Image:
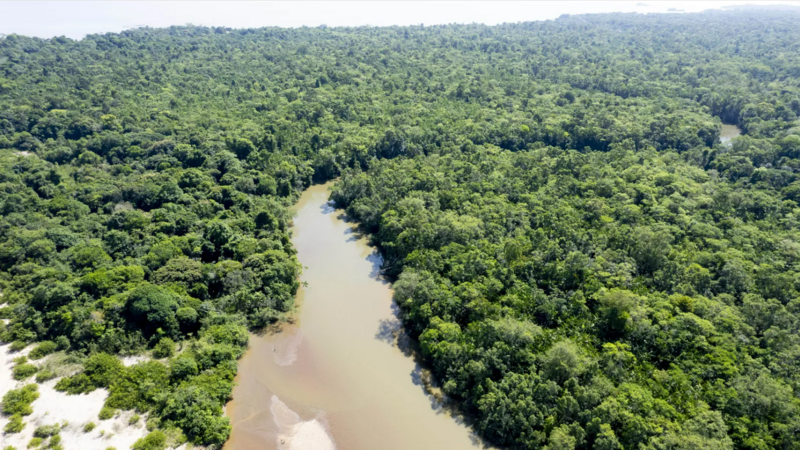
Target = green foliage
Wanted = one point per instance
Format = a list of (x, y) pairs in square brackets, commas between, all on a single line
[(45, 375), (43, 349), (187, 318), (76, 384), (196, 412), (183, 367), (17, 346), (138, 386), (100, 371), (153, 441), (584, 263), (50, 433), (23, 371), (154, 308), (164, 349), (18, 401), (89, 427), (55, 443), (564, 361), (46, 431), (106, 413), (615, 312), (14, 425)]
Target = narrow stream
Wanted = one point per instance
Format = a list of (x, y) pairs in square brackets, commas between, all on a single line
[(337, 378)]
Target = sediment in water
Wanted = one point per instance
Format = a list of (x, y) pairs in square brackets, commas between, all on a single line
[(338, 368)]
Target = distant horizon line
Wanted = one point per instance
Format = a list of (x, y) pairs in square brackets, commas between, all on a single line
[(726, 8)]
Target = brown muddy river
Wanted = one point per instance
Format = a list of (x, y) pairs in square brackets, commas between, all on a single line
[(729, 132), (336, 379)]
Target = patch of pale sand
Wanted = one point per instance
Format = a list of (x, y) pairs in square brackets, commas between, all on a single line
[(296, 434), (128, 361), (310, 435), (7, 381), (53, 407)]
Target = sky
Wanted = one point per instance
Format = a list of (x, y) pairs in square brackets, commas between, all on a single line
[(75, 19)]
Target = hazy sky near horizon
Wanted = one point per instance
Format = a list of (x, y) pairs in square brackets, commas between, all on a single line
[(76, 19)]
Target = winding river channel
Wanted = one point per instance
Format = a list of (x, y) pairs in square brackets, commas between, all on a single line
[(337, 378)]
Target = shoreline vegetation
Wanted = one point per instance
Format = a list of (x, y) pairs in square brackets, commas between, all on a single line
[(584, 263)]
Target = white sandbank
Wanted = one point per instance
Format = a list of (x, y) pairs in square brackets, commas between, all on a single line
[(296, 434), (53, 407)]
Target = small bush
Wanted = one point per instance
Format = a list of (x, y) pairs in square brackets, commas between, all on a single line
[(76, 384), (175, 437), (62, 343), (20, 359), (23, 371), (35, 442), (106, 413), (89, 427), (45, 375), (183, 367), (152, 423), (153, 441), (15, 424), (18, 401), (17, 346), (55, 443), (134, 419), (103, 369), (45, 431), (164, 349), (43, 349)]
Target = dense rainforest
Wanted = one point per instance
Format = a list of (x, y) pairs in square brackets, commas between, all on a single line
[(584, 263)]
